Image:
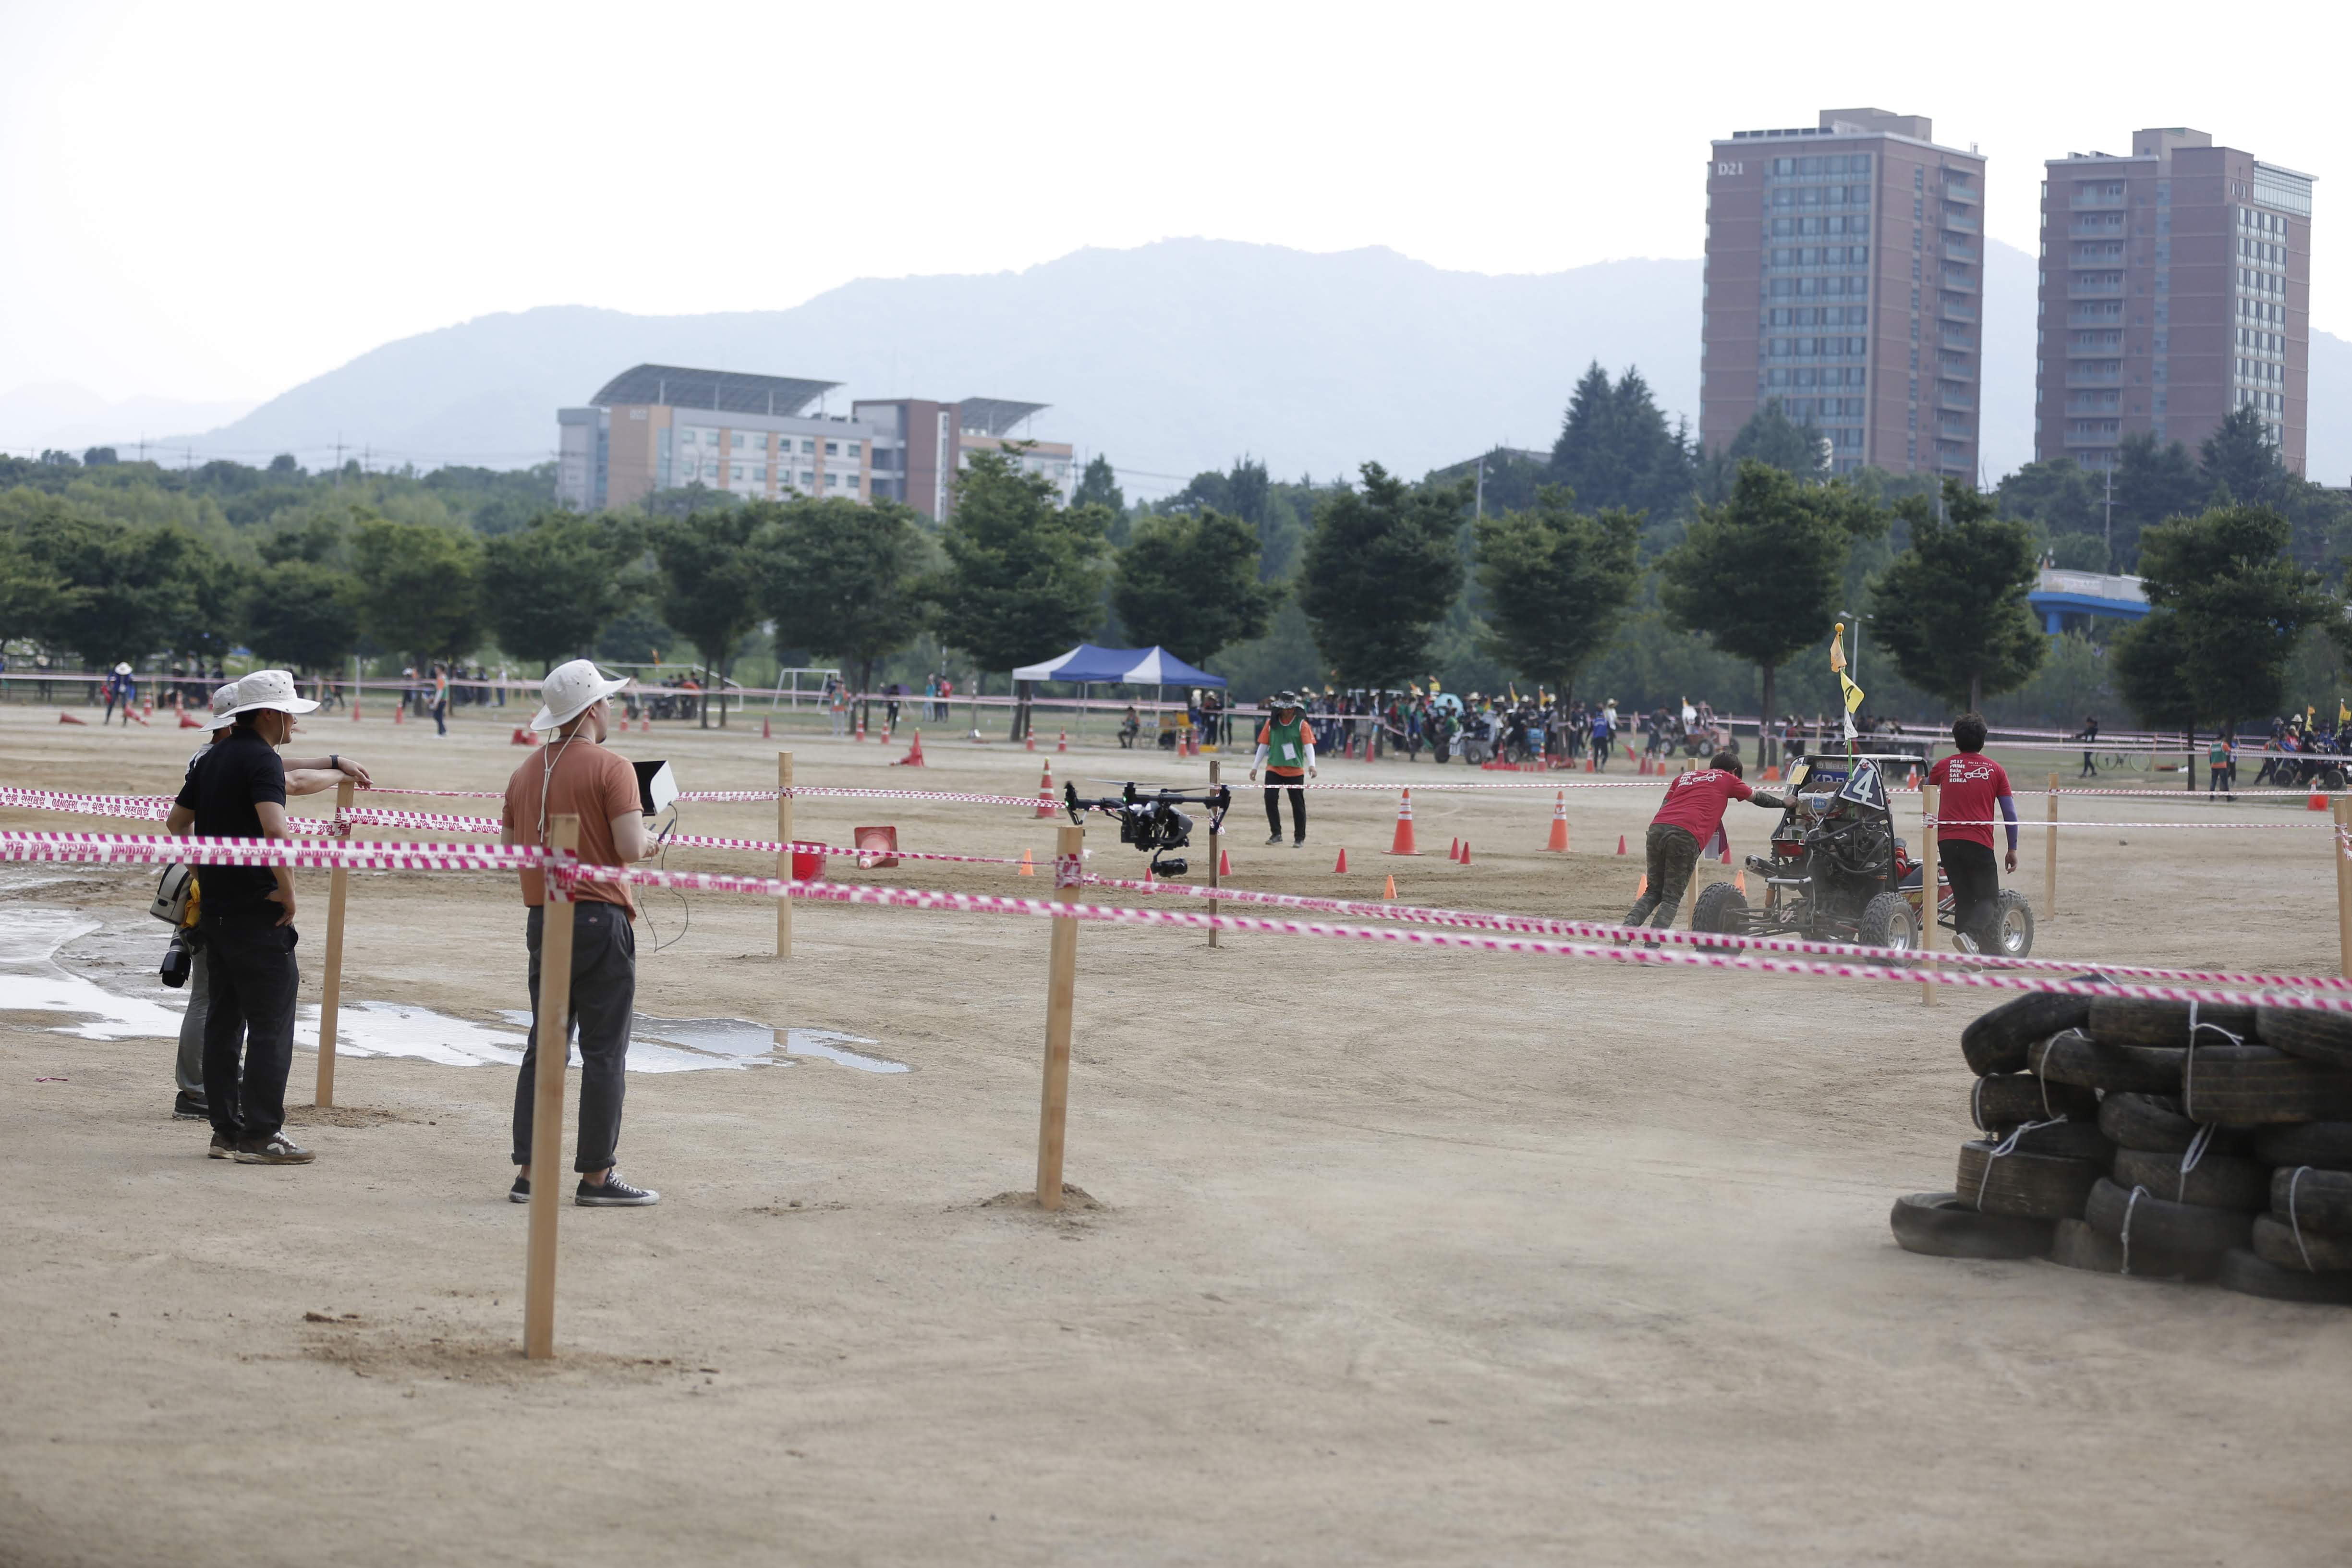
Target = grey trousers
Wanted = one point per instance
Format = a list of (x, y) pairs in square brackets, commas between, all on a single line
[(189, 1069), (604, 1006)]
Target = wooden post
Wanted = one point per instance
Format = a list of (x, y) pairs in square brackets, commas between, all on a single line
[(2050, 855), (1215, 771), (331, 991), (1690, 894), (1061, 990), (784, 855), (554, 1025), (1928, 897), (2343, 819)]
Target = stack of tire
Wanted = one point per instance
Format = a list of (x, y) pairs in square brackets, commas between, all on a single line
[(2163, 1140)]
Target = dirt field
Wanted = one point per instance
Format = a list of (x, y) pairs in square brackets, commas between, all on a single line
[(1392, 1256)]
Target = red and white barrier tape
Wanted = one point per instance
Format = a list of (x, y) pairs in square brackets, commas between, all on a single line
[(133, 850), (134, 808)]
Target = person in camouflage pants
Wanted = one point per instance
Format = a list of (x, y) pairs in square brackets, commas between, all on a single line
[(1690, 817)]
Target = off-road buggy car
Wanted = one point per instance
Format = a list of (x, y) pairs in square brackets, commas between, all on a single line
[(1838, 873)]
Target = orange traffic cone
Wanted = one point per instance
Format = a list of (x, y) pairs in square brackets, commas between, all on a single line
[(400, 710), (1559, 822), (1028, 867), (765, 733), (521, 737), (1031, 742), (188, 721), (1402, 843), (1466, 852), (861, 724), (1045, 793), (355, 707), (914, 757), (1621, 844), (2318, 801), (1224, 864), (1388, 894), (1341, 868), (644, 724), (1739, 880), (69, 719), (1150, 883), (1725, 856), (1064, 743)]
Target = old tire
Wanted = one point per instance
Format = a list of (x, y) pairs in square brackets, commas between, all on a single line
[(2038, 1186), (2155, 1122), (1940, 1226), (2248, 1085), (2215, 1182), (2316, 1199), (2326, 1145), (2016, 923), (1997, 1041), (1721, 907), (2243, 1272), (2075, 1245), (2010, 1100), (2315, 1036), (2275, 1243), (2133, 1021), (2189, 1232), (2076, 1058), (1887, 921)]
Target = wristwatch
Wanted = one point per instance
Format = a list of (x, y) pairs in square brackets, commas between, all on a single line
[(334, 762)]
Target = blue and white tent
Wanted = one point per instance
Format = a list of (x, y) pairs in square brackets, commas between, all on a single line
[(1119, 667)]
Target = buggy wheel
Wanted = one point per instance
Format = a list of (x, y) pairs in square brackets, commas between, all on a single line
[(1721, 907), (1887, 921), (2016, 924)]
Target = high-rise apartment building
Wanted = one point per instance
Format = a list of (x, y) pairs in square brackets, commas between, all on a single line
[(1846, 278), (2175, 287), (919, 446), (663, 426)]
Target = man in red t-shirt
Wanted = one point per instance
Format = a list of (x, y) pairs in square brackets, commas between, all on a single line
[(1690, 818), (1972, 783)]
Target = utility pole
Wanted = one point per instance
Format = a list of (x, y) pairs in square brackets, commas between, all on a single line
[(1481, 506), (339, 459), (2111, 516)]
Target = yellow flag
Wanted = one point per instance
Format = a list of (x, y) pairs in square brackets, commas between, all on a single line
[(2343, 714), (1853, 693), (1837, 648)]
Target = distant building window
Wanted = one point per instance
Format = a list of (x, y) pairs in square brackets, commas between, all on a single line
[(833, 448), (855, 448)]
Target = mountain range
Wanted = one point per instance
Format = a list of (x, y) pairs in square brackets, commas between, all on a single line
[(1169, 358)]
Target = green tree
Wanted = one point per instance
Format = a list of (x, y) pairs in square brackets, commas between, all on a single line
[(2228, 608), (302, 615), (1614, 449), (1951, 608), (420, 587), (714, 572), (1557, 584), (1761, 573), (1189, 584), (1025, 575), (1382, 569), (112, 590), (2153, 481), (2239, 457), (1099, 485), (32, 584), (848, 580), (552, 586), (2060, 495)]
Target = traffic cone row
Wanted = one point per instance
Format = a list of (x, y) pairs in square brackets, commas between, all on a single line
[(1559, 840)]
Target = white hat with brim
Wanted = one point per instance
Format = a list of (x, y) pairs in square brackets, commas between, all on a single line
[(569, 690), (122, 669), (272, 689), (224, 705)]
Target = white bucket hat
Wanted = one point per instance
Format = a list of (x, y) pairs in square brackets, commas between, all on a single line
[(122, 669), (568, 692), (267, 688), (224, 704)]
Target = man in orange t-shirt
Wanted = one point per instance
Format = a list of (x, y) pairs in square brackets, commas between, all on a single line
[(575, 775)]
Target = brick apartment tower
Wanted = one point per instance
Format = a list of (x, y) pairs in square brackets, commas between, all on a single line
[(2175, 287), (1845, 276)]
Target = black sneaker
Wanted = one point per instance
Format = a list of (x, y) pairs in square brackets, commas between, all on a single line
[(191, 1108), (275, 1150), (520, 1192), (1299, 843), (1274, 840), (612, 1193), (224, 1147)]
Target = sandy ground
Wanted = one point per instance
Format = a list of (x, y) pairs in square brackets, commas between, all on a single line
[(1392, 1256)]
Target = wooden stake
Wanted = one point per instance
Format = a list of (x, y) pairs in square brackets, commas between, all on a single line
[(2343, 817), (330, 993), (547, 1105), (1928, 897), (1213, 772), (1061, 992), (784, 855), (2050, 855)]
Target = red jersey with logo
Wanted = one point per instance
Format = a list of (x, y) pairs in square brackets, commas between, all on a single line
[(1973, 785), (1695, 801)]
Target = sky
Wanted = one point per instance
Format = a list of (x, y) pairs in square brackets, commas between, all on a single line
[(218, 201)]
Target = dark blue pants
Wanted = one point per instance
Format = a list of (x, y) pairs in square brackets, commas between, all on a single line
[(249, 964)]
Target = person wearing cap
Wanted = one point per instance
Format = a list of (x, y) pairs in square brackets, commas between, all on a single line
[(304, 775), (237, 789), (121, 687), (574, 775), (1285, 750)]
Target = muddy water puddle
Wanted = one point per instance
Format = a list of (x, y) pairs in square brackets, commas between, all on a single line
[(38, 987)]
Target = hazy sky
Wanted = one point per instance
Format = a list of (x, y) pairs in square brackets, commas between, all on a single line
[(218, 201)]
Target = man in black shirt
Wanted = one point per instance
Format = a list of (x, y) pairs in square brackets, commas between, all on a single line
[(237, 790)]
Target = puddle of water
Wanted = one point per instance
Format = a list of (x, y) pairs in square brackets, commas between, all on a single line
[(33, 981)]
